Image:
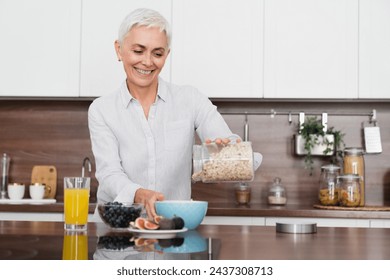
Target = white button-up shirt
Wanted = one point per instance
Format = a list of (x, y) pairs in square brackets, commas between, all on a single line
[(132, 151)]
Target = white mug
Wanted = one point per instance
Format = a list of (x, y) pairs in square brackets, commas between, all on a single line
[(37, 191), (16, 191)]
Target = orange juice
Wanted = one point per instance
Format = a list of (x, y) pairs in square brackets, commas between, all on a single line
[(75, 247), (76, 206)]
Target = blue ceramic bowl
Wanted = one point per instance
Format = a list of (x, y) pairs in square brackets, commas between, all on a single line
[(191, 211)]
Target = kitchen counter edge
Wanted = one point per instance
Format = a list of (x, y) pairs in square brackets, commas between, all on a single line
[(227, 209)]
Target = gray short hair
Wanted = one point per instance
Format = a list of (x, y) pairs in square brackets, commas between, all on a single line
[(144, 17)]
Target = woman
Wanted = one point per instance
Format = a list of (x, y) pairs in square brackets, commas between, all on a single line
[(142, 134)]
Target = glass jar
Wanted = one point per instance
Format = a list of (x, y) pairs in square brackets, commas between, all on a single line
[(277, 193), (243, 194), (214, 163), (328, 193), (354, 164), (349, 190)]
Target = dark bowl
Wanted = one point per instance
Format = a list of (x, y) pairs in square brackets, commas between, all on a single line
[(119, 215)]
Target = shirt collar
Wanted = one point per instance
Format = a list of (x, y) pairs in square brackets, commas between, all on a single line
[(162, 92)]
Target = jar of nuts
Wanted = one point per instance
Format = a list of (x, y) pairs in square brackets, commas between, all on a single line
[(223, 163), (328, 193)]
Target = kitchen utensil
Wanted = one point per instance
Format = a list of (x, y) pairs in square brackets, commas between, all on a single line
[(4, 175), (47, 175), (296, 228), (372, 139)]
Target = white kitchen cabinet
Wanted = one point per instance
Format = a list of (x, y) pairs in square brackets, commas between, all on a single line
[(217, 46), (310, 49), (40, 47), (271, 221), (234, 220), (101, 73), (374, 46)]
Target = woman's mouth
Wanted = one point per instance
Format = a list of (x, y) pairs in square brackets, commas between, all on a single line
[(143, 72)]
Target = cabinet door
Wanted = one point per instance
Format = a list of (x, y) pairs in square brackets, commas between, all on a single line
[(311, 49), (217, 46), (101, 73), (374, 49), (40, 47)]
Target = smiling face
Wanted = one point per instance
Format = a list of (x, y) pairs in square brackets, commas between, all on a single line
[(143, 53)]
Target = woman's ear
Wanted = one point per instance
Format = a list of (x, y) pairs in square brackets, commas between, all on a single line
[(118, 50)]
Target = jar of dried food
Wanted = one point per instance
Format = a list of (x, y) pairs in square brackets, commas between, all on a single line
[(277, 193), (349, 190), (354, 164), (328, 193), (243, 194), (223, 163)]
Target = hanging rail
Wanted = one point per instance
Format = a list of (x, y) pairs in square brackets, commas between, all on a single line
[(272, 113)]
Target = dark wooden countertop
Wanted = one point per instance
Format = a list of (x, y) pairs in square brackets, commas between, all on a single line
[(45, 240), (231, 209)]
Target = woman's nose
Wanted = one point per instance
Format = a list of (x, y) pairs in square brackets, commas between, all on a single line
[(147, 61)]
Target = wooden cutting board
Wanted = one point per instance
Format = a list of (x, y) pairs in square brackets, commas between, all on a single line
[(45, 174)]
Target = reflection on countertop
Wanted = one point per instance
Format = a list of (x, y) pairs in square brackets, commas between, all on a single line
[(48, 240)]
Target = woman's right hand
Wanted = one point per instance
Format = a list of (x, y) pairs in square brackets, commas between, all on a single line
[(148, 198)]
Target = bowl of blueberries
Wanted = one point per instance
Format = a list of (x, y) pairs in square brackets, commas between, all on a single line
[(118, 215)]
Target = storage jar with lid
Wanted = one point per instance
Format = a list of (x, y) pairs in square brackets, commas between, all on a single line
[(223, 163), (277, 193), (354, 164), (328, 193), (243, 194), (349, 190)]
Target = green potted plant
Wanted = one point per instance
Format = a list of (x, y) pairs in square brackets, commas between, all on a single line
[(314, 139)]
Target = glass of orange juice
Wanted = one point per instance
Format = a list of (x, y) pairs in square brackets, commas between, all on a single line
[(76, 202), (75, 246)]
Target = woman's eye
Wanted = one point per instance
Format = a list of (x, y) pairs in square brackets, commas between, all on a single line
[(158, 54), (137, 51)]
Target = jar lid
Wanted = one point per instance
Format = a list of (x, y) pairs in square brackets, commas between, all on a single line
[(330, 167), (349, 177), (277, 186), (354, 151)]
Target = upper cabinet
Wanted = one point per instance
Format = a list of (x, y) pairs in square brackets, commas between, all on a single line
[(217, 46), (374, 49), (300, 49), (311, 49), (40, 47), (101, 73)]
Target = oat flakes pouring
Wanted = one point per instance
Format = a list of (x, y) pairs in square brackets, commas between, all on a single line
[(234, 162)]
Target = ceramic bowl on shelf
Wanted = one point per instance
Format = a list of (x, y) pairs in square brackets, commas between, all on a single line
[(191, 211)]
